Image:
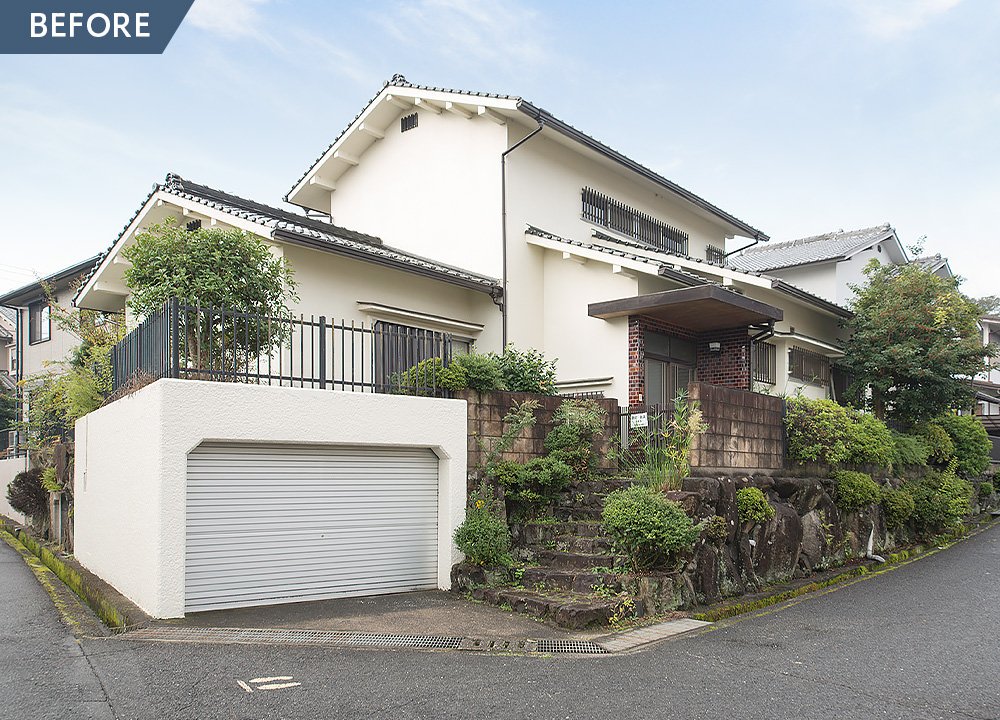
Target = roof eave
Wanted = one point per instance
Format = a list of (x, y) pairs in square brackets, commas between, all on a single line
[(800, 294), (34, 291)]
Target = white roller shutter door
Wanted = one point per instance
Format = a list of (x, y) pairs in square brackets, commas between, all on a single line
[(270, 524)]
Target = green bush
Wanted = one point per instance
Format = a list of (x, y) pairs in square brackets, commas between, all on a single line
[(715, 530), (426, 376), (571, 439), (985, 490), (752, 506), (480, 372), (940, 448), (646, 526), (483, 536), (908, 450), (898, 506), (868, 440), (26, 493), (855, 490), (940, 500), (817, 430), (527, 371), (534, 485), (972, 444)]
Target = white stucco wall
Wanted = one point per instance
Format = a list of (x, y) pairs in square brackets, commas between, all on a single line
[(8, 469), (819, 279), (433, 190), (131, 467)]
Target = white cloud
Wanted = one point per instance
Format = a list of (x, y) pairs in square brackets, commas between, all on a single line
[(230, 19), (889, 19), (490, 31)]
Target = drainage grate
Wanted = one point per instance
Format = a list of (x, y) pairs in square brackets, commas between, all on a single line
[(166, 633), (570, 646)]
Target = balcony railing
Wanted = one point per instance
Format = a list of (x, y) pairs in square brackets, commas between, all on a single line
[(205, 342)]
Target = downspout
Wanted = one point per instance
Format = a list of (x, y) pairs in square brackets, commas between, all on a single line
[(745, 247), (503, 215)]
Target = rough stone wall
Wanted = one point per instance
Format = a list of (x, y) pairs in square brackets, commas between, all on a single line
[(487, 410), (745, 430)]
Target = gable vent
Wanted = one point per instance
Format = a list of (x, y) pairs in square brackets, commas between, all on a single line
[(193, 225), (408, 122)]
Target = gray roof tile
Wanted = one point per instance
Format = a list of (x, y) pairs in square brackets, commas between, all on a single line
[(818, 248)]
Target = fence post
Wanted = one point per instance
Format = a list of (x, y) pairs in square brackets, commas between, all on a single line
[(175, 350), (322, 352)]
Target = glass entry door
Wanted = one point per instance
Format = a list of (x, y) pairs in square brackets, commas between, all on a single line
[(665, 380)]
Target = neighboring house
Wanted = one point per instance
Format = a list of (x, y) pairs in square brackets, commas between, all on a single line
[(935, 264), (827, 264), (38, 341), (987, 384)]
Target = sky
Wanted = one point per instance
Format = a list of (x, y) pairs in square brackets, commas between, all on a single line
[(799, 117)]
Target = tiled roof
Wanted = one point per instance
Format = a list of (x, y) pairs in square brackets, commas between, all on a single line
[(34, 291), (668, 270), (931, 262), (8, 313), (310, 231), (542, 115), (818, 248)]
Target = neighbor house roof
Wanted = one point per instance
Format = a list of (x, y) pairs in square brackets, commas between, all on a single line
[(299, 229), (496, 106), (35, 291), (838, 245), (934, 263)]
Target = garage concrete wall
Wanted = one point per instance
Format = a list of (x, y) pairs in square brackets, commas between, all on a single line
[(131, 467)]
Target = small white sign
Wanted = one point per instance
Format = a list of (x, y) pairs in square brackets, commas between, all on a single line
[(638, 420)]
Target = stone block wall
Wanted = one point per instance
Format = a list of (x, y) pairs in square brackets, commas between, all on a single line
[(745, 429), (486, 412)]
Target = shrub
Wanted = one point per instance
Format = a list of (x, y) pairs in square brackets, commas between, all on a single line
[(817, 430), (908, 450), (650, 529), (534, 485), (571, 439), (27, 494), (972, 444), (483, 536), (940, 448), (898, 506), (425, 376), (752, 506), (985, 490), (855, 490), (527, 371), (940, 500), (715, 529), (480, 372), (868, 440)]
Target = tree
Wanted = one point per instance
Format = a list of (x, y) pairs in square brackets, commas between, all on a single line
[(211, 266), (215, 267), (915, 343)]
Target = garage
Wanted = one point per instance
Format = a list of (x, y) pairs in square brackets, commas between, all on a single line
[(268, 524)]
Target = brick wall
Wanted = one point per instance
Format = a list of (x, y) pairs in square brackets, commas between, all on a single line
[(729, 368), (745, 429), (487, 410)]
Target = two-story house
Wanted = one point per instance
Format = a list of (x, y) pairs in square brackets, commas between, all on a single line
[(487, 217)]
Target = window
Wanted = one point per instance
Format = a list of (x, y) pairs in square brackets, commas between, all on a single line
[(603, 210), (408, 122), (669, 367), (715, 255), (39, 323), (400, 347), (763, 362), (808, 366)]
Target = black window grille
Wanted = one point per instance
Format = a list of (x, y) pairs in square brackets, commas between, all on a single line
[(408, 122), (715, 255), (606, 211), (808, 366), (763, 362)]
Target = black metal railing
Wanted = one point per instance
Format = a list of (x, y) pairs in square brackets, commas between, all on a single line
[(614, 215), (764, 362), (205, 342)]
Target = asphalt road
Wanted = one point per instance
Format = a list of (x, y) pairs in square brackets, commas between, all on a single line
[(921, 640)]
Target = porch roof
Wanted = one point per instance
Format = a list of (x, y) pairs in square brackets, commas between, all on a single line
[(700, 308)]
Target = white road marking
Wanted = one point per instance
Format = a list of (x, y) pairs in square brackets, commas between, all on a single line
[(271, 679), (278, 686), (244, 686)]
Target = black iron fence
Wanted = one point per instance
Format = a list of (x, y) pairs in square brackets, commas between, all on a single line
[(214, 343)]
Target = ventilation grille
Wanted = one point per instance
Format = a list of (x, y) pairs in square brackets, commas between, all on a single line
[(408, 122)]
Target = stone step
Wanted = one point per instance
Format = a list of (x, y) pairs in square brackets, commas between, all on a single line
[(586, 514), (543, 533), (586, 545), (567, 609), (541, 579), (573, 560)]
